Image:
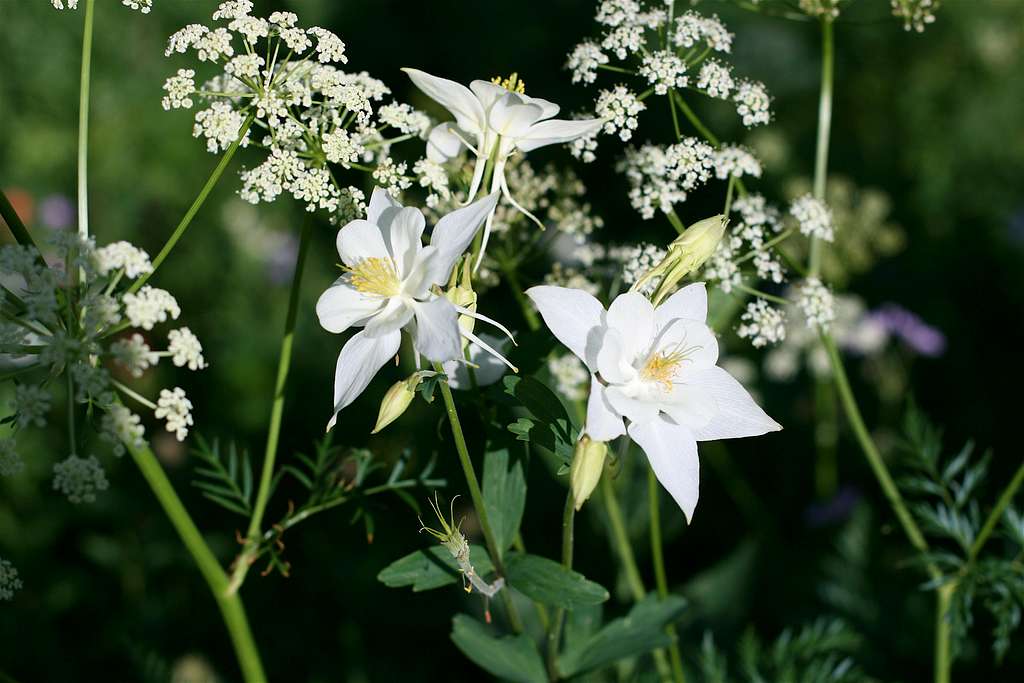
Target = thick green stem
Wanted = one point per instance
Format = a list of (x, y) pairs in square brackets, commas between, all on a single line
[(824, 132), (477, 497), (83, 121), (231, 608), (555, 632), (624, 549), (660, 577), (943, 650), (196, 204), (284, 359)]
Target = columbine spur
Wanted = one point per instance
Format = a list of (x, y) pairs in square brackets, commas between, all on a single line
[(657, 369)]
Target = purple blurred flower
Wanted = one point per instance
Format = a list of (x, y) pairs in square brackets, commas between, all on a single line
[(834, 510), (915, 333), (57, 211)]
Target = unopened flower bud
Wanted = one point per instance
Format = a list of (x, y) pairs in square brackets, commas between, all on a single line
[(686, 253), (398, 398), (587, 464), (460, 292)]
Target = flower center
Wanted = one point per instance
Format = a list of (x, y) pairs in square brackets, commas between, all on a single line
[(513, 83), (661, 367), (376, 275)]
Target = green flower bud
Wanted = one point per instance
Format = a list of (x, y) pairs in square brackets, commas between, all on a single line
[(398, 398), (686, 253), (587, 465), (460, 292)]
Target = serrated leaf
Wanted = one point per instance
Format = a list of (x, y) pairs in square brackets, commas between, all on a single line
[(548, 582), (226, 503), (435, 567), (535, 396), (511, 658), (640, 631), (504, 495)]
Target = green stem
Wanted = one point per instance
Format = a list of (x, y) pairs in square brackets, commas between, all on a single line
[(555, 632), (512, 277), (476, 495), (624, 550), (17, 228), (695, 121), (676, 222), (943, 649), (196, 204), (675, 117), (231, 608), (252, 543), (824, 132), (996, 514), (83, 121), (660, 578)]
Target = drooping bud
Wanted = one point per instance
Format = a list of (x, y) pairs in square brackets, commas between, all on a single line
[(587, 465), (686, 253), (398, 398), (460, 292)]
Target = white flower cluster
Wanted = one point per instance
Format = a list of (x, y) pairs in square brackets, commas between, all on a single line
[(122, 256), (753, 103), (813, 216), (570, 375), (31, 404), (9, 581), (282, 80), (665, 70), (758, 222), (637, 260), (816, 303), (584, 60), (715, 79), (692, 28), (432, 176), (176, 409), (660, 177), (916, 14), (618, 108), (828, 9), (79, 479), (733, 161), (762, 324), (143, 6)]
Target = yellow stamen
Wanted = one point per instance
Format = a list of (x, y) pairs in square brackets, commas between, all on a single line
[(513, 83), (376, 275), (661, 367)]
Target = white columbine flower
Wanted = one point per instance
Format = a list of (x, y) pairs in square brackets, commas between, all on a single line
[(389, 285), (657, 369), (494, 120)]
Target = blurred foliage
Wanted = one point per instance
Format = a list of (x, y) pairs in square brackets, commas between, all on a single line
[(933, 119)]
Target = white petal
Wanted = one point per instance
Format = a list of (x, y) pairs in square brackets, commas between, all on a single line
[(633, 316), (404, 238), (556, 131), (380, 200), (510, 118), (454, 232), (603, 423), (691, 405), (635, 409), (360, 240), (611, 363), (342, 306), (690, 302), (442, 143), (738, 415), (437, 330), (422, 274), (692, 338), (574, 317), (392, 317), (672, 452), (488, 93), (455, 97), (488, 371), (548, 109), (359, 360)]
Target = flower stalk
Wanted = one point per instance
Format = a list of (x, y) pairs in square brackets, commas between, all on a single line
[(83, 121), (555, 632), (660, 577)]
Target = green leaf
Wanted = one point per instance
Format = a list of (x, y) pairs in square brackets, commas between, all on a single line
[(533, 395), (512, 658), (640, 631), (504, 495), (432, 568), (549, 582)]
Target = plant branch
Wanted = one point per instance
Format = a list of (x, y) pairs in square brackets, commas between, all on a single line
[(824, 132), (660, 577), (83, 121), (555, 632)]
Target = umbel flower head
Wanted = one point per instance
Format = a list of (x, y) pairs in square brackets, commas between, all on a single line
[(654, 376), (392, 282), (494, 120)]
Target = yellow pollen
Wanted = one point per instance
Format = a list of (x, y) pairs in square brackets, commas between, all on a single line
[(375, 275), (662, 367), (513, 83)]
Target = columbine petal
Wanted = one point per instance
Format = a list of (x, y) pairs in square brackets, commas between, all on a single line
[(574, 317), (632, 315), (612, 363), (556, 131), (603, 423), (672, 452), (360, 240), (455, 97), (395, 314), (488, 368), (547, 108), (342, 306), (404, 237), (380, 202), (488, 93), (436, 334), (635, 409), (690, 302), (455, 231), (510, 118), (359, 360), (692, 338), (738, 415), (443, 143)]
